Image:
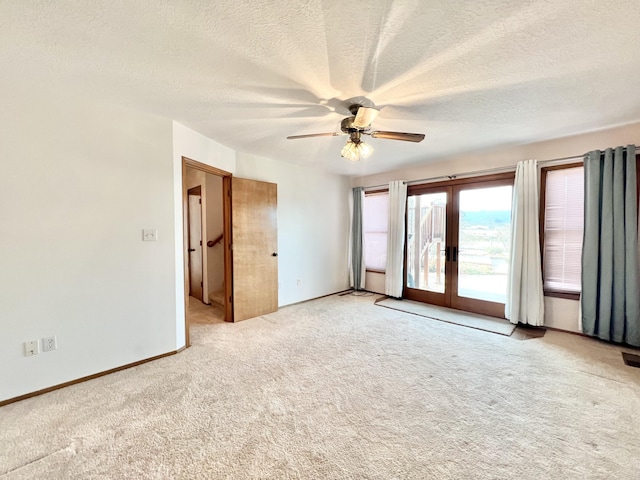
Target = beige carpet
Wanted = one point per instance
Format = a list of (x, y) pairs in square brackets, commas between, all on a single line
[(466, 319), (341, 389)]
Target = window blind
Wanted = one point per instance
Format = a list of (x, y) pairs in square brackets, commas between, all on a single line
[(376, 226), (563, 229)]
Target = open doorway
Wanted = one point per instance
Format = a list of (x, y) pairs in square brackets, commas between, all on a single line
[(249, 278), (207, 235)]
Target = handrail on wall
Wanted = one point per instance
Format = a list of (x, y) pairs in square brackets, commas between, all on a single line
[(212, 243)]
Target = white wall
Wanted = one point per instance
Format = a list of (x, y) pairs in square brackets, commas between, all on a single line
[(559, 313), (79, 182), (561, 147), (193, 145), (313, 227), (195, 178), (313, 218), (374, 282)]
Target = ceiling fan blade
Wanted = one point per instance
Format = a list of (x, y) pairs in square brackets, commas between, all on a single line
[(407, 137), (365, 116), (332, 134)]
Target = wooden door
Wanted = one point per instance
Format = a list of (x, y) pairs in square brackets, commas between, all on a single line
[(195, 243), (255, 248)]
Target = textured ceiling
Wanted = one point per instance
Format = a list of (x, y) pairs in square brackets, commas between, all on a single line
[(471, 75)]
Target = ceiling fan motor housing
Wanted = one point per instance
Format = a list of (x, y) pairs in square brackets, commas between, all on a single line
[(360, 124), (347, 127)]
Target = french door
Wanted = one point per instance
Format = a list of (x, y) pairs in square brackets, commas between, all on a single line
[(457, 243)]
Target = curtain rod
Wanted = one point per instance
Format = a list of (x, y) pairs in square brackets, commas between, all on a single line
[(479, 172)]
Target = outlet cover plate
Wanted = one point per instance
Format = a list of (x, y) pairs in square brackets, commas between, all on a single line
[(149, 234), (49, 344)]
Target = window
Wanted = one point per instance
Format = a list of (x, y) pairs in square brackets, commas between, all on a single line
[(376, 221), (562, 229)]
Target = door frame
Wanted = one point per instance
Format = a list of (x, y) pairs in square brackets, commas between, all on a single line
[(416, 294), (226, 237), (450, 297), (195, 191)]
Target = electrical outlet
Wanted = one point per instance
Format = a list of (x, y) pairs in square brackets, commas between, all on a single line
[(31, 348), (149, 234), (49, 344)]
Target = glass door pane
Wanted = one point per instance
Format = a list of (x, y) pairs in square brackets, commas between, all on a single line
[(426, 237), (484, 230)]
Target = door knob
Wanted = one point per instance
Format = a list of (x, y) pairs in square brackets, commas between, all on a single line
[(274, 254), (192, 249)]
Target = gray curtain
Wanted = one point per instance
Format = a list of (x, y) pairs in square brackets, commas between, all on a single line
[(357, 240), (610, 298)]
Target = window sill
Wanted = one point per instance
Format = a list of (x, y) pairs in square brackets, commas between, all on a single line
[(371, 270), (566, 295)]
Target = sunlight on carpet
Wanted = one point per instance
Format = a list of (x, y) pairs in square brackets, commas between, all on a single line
[(449, 315)]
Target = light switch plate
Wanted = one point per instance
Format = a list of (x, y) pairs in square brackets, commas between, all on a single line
[(149, 234), (31, 348)]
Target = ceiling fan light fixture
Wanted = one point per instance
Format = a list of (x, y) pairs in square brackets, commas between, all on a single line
[(355, 151), (350, 151), (365, 150)]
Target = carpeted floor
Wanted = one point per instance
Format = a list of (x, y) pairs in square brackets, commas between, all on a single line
[(338, 388)]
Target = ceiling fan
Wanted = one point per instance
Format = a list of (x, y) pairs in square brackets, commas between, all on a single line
[(360, 124)]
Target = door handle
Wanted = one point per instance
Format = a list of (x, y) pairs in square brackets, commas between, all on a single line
[(192, 249), (274, 254), (447, 251), (454, 254)]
